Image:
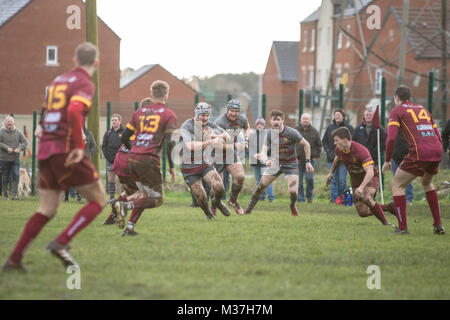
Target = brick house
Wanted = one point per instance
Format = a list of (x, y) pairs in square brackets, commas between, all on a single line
[(37, 45), (279, 81), (363, 81), (135, 86)]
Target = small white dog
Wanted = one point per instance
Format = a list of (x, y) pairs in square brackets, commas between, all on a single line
[(24, 188)]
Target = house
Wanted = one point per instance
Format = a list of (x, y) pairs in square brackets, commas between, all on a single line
[(279, 81), (38, 43), (135, 86), (362, 80)]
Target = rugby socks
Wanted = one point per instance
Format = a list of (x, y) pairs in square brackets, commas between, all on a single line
[(135, 215), (235, 190), (433, 202), (378, 213), (30, 231), (111, 190), (82, 219), (400, 210)]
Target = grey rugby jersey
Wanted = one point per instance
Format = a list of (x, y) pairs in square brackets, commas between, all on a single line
[(288, 138)]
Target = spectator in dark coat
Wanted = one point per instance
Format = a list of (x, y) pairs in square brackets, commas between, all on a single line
[(110, 145), (446, 140), (313, 137), (339, 182), (401, 149), (366, 135)]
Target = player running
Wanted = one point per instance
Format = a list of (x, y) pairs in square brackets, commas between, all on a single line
[(425, 154), (62, 159), (280, 142), (232, 121), (130, 189), (200, 136), (150, 124), (364, 175)]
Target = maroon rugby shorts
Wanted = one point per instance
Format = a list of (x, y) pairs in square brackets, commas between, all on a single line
[(54, 175), (418, 168)]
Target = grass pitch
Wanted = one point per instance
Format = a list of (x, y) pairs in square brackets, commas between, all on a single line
[(322, 254)]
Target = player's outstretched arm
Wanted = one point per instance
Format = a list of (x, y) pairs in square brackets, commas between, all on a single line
[(305, 144), (336, 163)]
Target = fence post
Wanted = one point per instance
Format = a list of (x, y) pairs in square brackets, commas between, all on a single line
[(33, 155), (108, 127), (196, 99), (136, 105), (383, 122), (300, 105), (430, 91), (341, 96), (263, 110)]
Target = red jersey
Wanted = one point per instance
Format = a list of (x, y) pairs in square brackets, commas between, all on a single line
[(356, 159), (419, 130), (150, 124), (75, 85)]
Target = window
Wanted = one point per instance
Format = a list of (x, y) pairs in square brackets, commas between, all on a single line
[(305, 40), (338, 75), (339, 43), (435, 79), (52, 55), (313, 39), (347, 44), (378, 80), (311, 78)]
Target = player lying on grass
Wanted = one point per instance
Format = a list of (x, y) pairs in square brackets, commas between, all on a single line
[(425, 154), (199, 137), (62, 159), (233, 122), (149, 124), (280, 143), (364, 175)]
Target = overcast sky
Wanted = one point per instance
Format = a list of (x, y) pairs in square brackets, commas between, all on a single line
[(203, 37)]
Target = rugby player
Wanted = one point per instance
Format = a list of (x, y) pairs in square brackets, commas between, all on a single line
[(62, 159), (425, 154)]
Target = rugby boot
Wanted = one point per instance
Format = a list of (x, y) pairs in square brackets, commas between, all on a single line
[(294, 210), (62, 253), (129, 232), (439, 229), (400, 231), (389, 208), (10, 266), (236, 207), (210, 216), (110, 220), (121, 213)]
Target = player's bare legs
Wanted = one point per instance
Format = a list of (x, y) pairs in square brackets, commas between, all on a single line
[(48, 206), (366, 206), (292, 181), (433, 202), (236, 170), (266, 180), (213, 179), (200, 195), (399, 182)]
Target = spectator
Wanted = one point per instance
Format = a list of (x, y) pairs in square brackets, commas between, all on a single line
[(257, 138), (313, 137), (401, 149), (12, 142), (111, 143), (366, 135), (446, 140), (339, 181)]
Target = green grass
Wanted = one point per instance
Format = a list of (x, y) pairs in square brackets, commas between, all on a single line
[(322, 254)]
